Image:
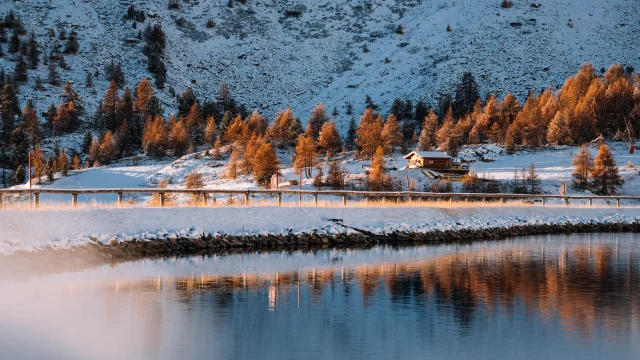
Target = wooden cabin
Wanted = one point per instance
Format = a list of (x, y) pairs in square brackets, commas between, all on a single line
[(435, 160)]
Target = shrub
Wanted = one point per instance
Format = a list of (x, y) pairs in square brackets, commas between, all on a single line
[(173, 5), (181, 21), (442, 186), (211, 24), (506, 4)]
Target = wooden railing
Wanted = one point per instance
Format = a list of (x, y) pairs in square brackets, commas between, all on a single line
[(395, 196)]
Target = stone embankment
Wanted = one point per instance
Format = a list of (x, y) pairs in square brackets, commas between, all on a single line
[(357, 238)]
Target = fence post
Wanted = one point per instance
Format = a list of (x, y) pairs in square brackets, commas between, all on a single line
[(246, 198), (590, 201), (119, 199), (566, 201), (344, 200), (522, 201), (315, 199), (205, 199), (36, 199), (544, 201), (279, 199), (366, 200), (501, 200), (617, 202), (74, 202), (161, 199), (0, 201)]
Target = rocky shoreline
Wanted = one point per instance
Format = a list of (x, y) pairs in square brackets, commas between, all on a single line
[(95, 253), (360, 238)]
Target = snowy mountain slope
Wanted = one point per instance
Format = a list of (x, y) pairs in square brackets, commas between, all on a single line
[(271, 60)]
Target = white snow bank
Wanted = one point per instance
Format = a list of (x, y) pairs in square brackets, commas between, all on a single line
[(24, 230)]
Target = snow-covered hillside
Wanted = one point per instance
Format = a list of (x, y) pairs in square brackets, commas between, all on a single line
[(277, 53)]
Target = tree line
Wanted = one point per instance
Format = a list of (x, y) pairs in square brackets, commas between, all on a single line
[(127, 122)]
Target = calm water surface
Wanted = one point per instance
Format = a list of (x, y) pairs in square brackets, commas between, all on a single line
[(551, 297)]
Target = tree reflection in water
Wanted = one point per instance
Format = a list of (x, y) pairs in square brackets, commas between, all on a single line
[(551, 296)]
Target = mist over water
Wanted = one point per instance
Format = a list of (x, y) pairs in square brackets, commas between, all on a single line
[(552, 297)]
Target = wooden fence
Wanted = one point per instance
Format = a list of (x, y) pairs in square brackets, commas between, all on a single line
[(393, 197)]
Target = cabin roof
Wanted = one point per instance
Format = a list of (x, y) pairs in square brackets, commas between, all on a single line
[(429, 155)]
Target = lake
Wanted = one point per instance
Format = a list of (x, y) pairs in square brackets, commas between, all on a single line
[(551, 297)]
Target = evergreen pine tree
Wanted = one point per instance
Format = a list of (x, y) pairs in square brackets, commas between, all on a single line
[(88, 83), (583, 162), (370, 104), (605, 177), (33, 53), (9, 109), (109, 111), (108, 149), (336, 176), (305, 155), (14, 42), (63, 163), (318, 180), (52, 112), (254, 144), (369, 133), (349, 108), (211, 131), (63, 63), (532, 180), (392, 136), (329, 139), (421, 111), (19, 146), (558, 132), (71, 46), (19, 176), (77, 163), (265, 165), (37, 84), (377, 180), (20, 71), (86, 142), (233, 165), (113, 72), (447, 138), (317, 119), (428, 134), (350, 141), (445, 101), (53, 77), (32, 125), (186, 100), (466, 94), (3, 33)]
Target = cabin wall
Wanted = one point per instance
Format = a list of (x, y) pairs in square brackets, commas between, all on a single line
[(430, 163)]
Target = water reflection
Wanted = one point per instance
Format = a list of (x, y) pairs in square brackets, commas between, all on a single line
[(552, 297)]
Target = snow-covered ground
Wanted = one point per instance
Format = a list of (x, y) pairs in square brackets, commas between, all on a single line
[(24, 230), (553, 164), (272, 60)]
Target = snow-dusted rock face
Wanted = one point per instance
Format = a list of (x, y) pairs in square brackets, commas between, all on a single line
[(278, 53)]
